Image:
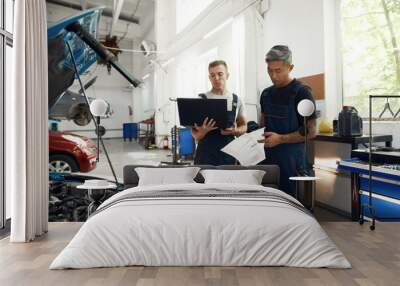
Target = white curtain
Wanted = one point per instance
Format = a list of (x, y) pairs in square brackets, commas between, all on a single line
[(27, 127)]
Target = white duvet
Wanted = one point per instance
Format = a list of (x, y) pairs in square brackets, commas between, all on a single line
[(200, 231)]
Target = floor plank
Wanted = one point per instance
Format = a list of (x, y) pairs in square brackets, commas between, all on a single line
[(375, 257)]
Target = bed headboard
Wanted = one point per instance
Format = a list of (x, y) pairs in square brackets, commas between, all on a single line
[(270, 179)]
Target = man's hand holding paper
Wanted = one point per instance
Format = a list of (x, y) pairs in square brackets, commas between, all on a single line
[(247, 149)]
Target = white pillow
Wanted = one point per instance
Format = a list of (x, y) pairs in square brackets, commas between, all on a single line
[(164, 176), (249, 177)]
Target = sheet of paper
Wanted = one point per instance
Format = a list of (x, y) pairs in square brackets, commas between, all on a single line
[(246, 149)]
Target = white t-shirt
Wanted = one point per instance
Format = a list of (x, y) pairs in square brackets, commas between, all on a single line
[(240, 110)]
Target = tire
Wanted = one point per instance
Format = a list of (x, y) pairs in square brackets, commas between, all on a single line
[(60, 163)]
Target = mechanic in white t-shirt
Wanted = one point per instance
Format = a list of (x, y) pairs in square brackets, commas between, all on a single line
[(211, 139)]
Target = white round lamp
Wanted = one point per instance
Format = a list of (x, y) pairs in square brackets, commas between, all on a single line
[(305, 107), (99, 107)]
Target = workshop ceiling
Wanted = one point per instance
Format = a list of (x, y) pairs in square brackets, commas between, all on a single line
[(135, 22)]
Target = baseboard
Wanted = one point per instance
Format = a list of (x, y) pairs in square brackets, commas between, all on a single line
[(333, 209)]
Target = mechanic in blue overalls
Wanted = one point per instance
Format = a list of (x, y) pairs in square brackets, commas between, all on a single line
[(284, 127), (210, 139)]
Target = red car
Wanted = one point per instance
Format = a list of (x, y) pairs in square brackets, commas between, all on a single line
[(69, 152)]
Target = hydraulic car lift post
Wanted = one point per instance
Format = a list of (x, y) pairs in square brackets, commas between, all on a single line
[(106, 56), (102, 52)]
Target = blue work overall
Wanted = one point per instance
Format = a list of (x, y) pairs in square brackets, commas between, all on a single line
[(282, 119), (208, 150)]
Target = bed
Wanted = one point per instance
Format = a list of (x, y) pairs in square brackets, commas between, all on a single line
[(201, 224)]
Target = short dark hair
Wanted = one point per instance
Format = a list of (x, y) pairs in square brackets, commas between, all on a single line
[(279, 53), (217, 63)]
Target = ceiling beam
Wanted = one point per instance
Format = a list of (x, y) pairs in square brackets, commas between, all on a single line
[(84, 4), (116, 12), (106, 12)]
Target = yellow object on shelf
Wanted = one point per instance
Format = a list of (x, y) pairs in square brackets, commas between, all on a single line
[(325, 126)]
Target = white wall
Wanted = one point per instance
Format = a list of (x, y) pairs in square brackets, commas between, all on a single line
[(300, 25), (143, 97)]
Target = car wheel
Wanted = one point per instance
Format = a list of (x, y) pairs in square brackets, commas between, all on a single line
[(62, 164)]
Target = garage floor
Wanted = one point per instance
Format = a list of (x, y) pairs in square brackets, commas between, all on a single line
[(127, 153)]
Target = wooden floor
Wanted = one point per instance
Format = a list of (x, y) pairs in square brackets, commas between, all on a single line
[(375, 257)]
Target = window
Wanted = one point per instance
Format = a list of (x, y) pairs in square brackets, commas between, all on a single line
[(192, 78), (9, 15), (188, 10), (371, 54), (2, 45), (6, 29)]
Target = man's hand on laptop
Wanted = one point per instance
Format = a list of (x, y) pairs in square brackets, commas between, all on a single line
[(199, 131)]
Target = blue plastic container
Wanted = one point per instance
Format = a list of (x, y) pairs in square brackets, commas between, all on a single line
[(130, 130), (54, 126), (186, 144)]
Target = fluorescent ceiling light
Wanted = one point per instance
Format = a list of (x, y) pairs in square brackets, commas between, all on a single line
[(213, 31)]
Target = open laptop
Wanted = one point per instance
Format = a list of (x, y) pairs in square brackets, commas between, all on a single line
[(195, 110)]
